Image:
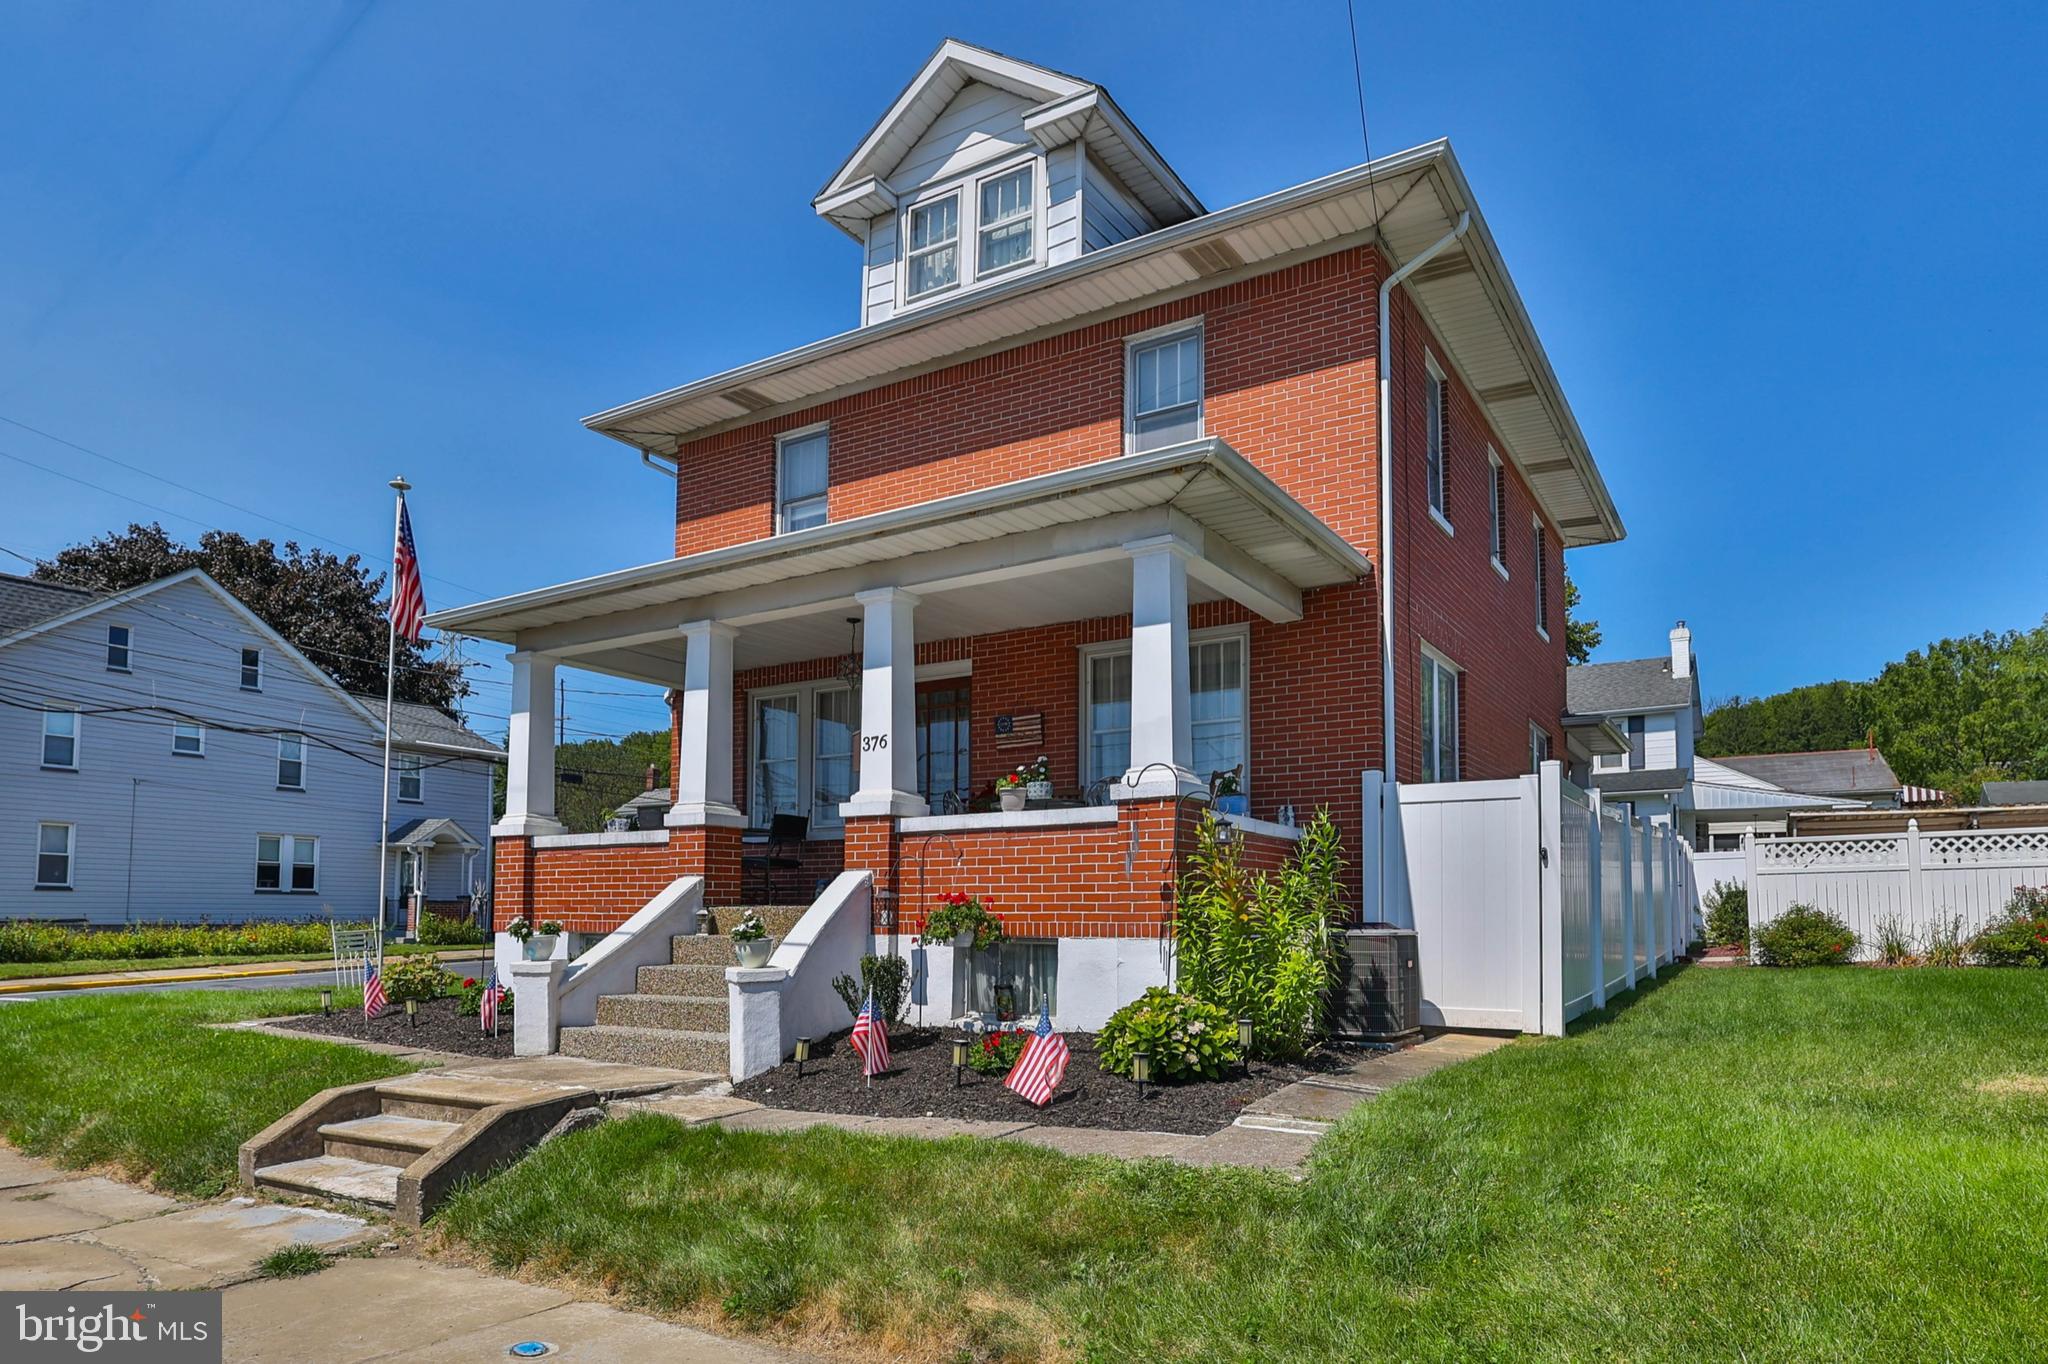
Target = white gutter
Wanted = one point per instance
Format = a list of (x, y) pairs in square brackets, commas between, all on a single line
[(1386, 564)]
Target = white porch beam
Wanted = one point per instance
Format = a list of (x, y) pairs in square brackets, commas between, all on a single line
[(1162, 735), (888, 707), (530, 750), (703, 789)]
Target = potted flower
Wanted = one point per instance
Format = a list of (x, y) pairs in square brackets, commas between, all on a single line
[(532, 946), (1010, 789), (1230, 797), (1038, 779), (750, 940), (959, 918)]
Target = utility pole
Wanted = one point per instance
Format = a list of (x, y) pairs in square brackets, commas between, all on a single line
[(561, 711)]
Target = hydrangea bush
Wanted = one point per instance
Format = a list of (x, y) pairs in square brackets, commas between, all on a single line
[(1188, 1039)]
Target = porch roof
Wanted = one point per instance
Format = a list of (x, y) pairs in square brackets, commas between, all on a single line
[(1033, 551)]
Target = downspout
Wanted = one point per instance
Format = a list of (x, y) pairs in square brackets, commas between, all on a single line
[(659, 463), (1386, 564)]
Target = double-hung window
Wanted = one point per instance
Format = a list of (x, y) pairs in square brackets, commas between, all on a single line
[(287, 863), (1164, 388), (833, 727), (291, 761), (1500, 513), (1218, 695), (252, 670), (801, 745), (931, 257), (53, 856), (188, 739), (1539, 544), (60, 737), (803, 477), (1638, 742), (1439, 717), (1004, 229), (1437, 402), (120, 651), (776, 739), (412, 769)]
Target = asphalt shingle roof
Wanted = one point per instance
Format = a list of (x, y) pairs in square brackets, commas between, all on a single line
[(413, 723), (25, 602), (1631, 685), (1840, 771), (2016, 793)]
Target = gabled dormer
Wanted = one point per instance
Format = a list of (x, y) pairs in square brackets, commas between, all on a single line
[(986, 168)]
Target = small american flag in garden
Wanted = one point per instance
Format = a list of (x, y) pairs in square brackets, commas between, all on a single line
[(494, 995), (1043, 1062), (871, 1040), (373, 990)]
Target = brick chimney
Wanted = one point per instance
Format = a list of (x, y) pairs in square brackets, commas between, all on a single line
[(1681, 650), (653, 776)]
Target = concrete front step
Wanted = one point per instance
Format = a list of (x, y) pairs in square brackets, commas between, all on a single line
[(385, 1139), (779, 918), (688, 949), (696, 982), (678, 1050), (675, 1012), (448, 1098), (352, 1181)]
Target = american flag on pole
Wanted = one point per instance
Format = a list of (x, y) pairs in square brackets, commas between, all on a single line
[(408, 600), (494, 995), (871, 1040), (1043, 1062), (373, 990)]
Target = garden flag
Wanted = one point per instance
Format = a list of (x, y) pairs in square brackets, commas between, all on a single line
[(494, 994), (1043, 1062), (871, 1040), (408, 602), (373, 990)]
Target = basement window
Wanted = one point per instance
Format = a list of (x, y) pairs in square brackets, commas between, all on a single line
[(1010, 979)]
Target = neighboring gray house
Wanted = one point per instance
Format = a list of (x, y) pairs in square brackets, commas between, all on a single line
[(2016, 793), (1857, 774), (1655, 704), (165, 755)]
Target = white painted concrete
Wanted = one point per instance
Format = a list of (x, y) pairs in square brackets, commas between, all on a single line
[(703, 788), (888, 707), (536, 1007), (530, 750), (1010, 819)]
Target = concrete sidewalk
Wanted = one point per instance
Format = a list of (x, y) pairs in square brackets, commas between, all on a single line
[(60, 1230)]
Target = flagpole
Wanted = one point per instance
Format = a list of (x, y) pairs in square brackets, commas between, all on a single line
[(398, 485)]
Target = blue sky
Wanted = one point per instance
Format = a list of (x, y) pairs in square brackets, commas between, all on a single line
[(1786, 260)]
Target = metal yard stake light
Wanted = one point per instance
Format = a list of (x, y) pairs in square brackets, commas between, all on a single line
[(412, 1012), (1141, 1070), (327, 1003), (959, 1059), (803, 1054), (1244, 1044)]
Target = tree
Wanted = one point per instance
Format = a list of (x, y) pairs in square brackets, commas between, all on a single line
[(1803, 720), (594, 777), (329, 608), (1581, 637)]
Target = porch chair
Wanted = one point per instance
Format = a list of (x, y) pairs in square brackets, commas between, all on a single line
[(778, 858)]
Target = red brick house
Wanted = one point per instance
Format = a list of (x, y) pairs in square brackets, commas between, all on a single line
[(1151, 489)]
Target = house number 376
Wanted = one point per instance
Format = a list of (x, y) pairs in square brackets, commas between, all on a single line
[(872, 743)]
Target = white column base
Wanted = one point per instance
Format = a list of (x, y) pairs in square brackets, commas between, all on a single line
[(527, 826), (894, 803), (536, 1007), (704, 814)]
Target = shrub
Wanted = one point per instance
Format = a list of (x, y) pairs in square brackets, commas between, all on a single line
[(1805, 936), (1945, 943), (1728, 915), (1188, 1038), (27, 940), (2019, 936), (439, 930), (1258, 946), (1894, 942), (415, 977), (472, 993), (888, 977), (998, 1051)]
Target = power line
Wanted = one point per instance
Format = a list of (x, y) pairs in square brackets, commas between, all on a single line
[(1358, 82)]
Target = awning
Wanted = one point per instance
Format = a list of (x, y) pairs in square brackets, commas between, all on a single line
[(432, 833)]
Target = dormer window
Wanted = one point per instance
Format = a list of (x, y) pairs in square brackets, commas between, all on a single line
[(932, 262), (1005, 224)]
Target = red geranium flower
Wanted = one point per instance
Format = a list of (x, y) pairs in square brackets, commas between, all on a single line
[(469, 982)]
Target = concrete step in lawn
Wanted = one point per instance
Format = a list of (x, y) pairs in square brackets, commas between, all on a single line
[(673, 1048), (336, 1177), (385, 1139), (679, 1013)]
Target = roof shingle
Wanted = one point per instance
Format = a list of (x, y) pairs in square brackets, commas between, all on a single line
[(1840, 771), (25, 601), (1630, 685)]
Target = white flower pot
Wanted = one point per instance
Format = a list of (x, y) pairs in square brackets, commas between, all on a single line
[(540, 947), (1012, 797), (754, 952)]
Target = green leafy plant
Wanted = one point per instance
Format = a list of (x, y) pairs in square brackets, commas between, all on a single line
[(1187, 1038), (441, 930), (1894, 942), (997, 1052), (1805, 936), (958, 913), (1946, 945), (888, 977), (27, 940), (552, 927), (1257, 945), (520, 929), (750, 928), (1728, 915), (415, 977), (471, 992), (2019, 936), (290, 1262), (1026, 773)]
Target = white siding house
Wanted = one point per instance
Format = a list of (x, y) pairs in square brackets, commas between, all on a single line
[(1654, 704), (165, 755)]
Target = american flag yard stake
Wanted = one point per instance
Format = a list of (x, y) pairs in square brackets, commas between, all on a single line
[(373, 990), (871, 1040), (1043, 1062), (494, 994)]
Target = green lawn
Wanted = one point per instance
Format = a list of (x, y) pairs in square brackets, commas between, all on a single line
[(22, 970), (137, 1083), (1823, 1165)]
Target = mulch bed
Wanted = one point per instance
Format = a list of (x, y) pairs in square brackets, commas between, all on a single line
[(920, 1084), (442, 1027)]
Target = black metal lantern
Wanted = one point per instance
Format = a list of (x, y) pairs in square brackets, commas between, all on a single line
[(1141, 1070), (959, 1059), (1244, 1044), (327, 1003), (803, 1054), (412, 1012)]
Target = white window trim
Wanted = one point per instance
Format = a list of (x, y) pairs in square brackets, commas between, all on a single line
[(957, 191), (1111, 647), (70, 855), (1433, 375), (1195, 326), (281, 760), (239, 666), (1035, 214), (829, 825), (1444, 664), (1538, 737), (416, 764), (77, 737), (178, 752), (1539, 576), (967, 217), (127, 650), (287, 850), (1497, 498), (803, 433)]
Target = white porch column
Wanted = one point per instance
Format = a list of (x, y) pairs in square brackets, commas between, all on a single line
[(1162, 737), (530, 750), (703, 790), (888, 707)]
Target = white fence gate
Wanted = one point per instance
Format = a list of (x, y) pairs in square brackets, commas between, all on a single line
[(1920, 881), (1531, 902)]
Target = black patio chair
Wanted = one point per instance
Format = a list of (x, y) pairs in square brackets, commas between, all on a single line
[(778, 859)]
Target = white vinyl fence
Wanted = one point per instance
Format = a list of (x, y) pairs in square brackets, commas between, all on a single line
[(1531, 902), (1921, 881)]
